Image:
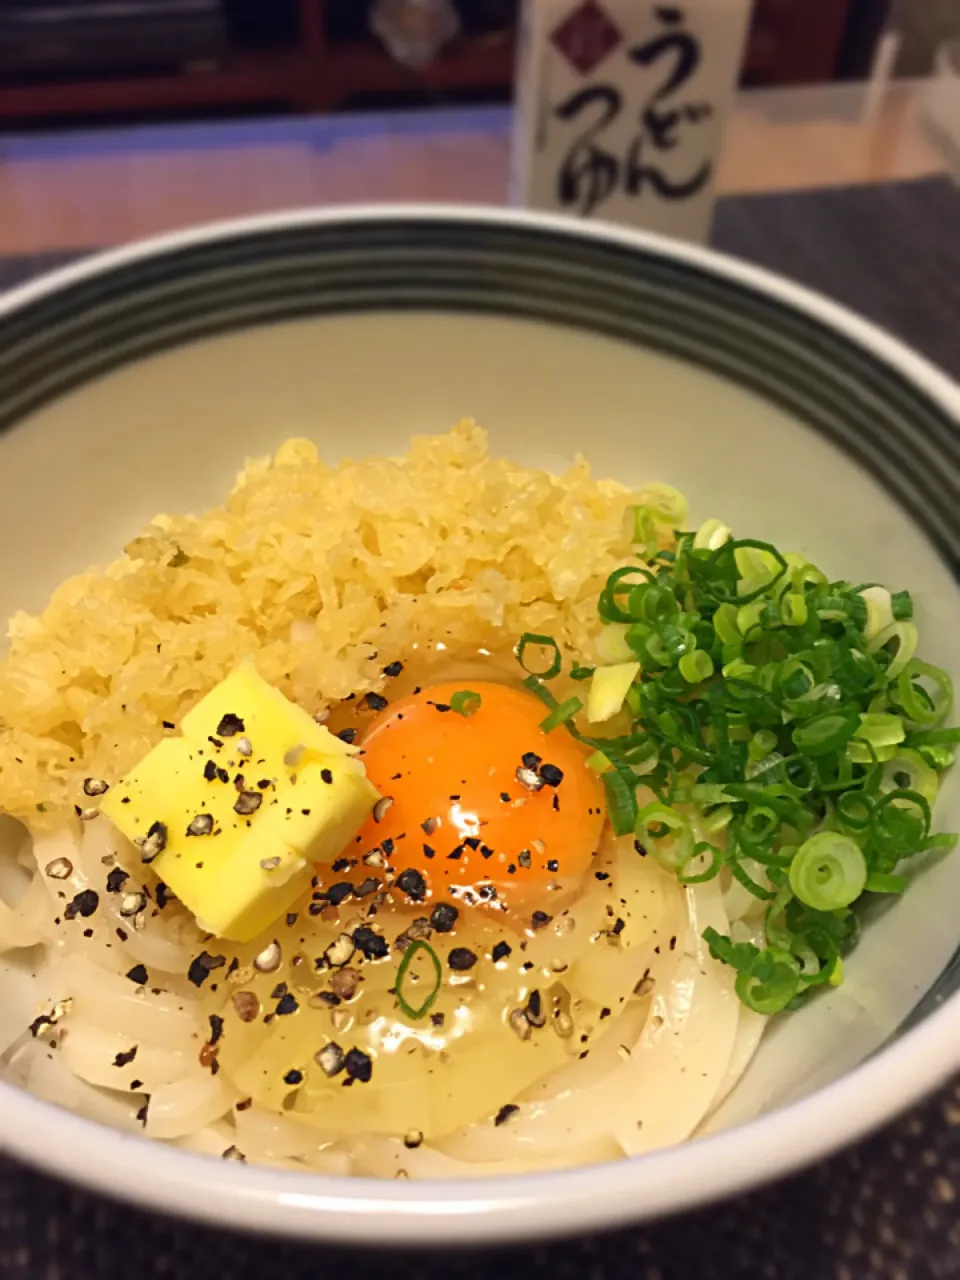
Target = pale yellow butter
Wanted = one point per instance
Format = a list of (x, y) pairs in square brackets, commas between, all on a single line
[(314, 797)]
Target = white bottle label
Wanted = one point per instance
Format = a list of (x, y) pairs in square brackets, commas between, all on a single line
[(621, 106)]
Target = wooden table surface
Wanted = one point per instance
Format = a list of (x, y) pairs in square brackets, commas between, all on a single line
[(109, 186)]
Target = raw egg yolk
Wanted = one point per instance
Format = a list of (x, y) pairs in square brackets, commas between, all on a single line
[(481, 801)]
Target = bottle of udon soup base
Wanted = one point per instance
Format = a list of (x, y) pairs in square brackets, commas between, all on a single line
[(621, 106)]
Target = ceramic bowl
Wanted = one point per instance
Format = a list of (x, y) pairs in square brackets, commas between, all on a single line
[(139, 381)]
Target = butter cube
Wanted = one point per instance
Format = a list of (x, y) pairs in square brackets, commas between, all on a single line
[(234, 814)]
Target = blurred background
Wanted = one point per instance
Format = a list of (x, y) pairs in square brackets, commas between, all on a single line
[(72, 60)]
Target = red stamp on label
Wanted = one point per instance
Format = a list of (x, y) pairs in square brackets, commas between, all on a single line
[(587, 36)]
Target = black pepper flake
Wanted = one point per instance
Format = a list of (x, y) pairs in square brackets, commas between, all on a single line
[(359, 1065), (412, 883), (673, 943), (338, 892), (555, 802), (142, 1113), (551, 775), (443, 917), (279, 990), (163, 895), (84, 904), (135, 1085), (461, 958), (539, 919), (347, 735), (429, 851), (486, 851), (371, 944), (326, 776), (456, 855), (202, 966), (505, 797), (155, 842), (366, 887), (116, 880), (341, 864), (618, 927), (167, 724), (375, 701), (216, 1028), (139, 975), (200, 825), (230, 726), (223, 775), (393, 669), (248, 802), (387, 847), (210, 770), (602, 875), (124, 1059), (501, 951), (437, 1019), (216, 741), (293, 1077), (553, 865), (639, 848), (440, 706), (530, 760), (471, 842), (291, 919), (286, 1005), (504, 1114)]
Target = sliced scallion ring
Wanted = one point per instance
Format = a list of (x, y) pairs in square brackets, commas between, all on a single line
[(422, 1009), (530, 639), (828, 871)]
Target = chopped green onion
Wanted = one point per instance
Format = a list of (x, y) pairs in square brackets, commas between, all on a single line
[(711, 535), (466, 703), (696, 667), (790, 714), (906, 637), (825, 734), (666, 834), (793, 609), (901, 605), (878, 882), (621, 801), (529, 639), (639, 527), (828, 871), (581, 673), (879, 610), (561, 714), (924, 708), (421, 1010), (703, 864), (668, 505), (908, 771), (881, 730), (598, 762)]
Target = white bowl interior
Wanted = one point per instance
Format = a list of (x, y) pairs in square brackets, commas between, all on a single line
[(79, 477)]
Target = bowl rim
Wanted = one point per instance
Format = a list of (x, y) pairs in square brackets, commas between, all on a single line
[(517, 1207)]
